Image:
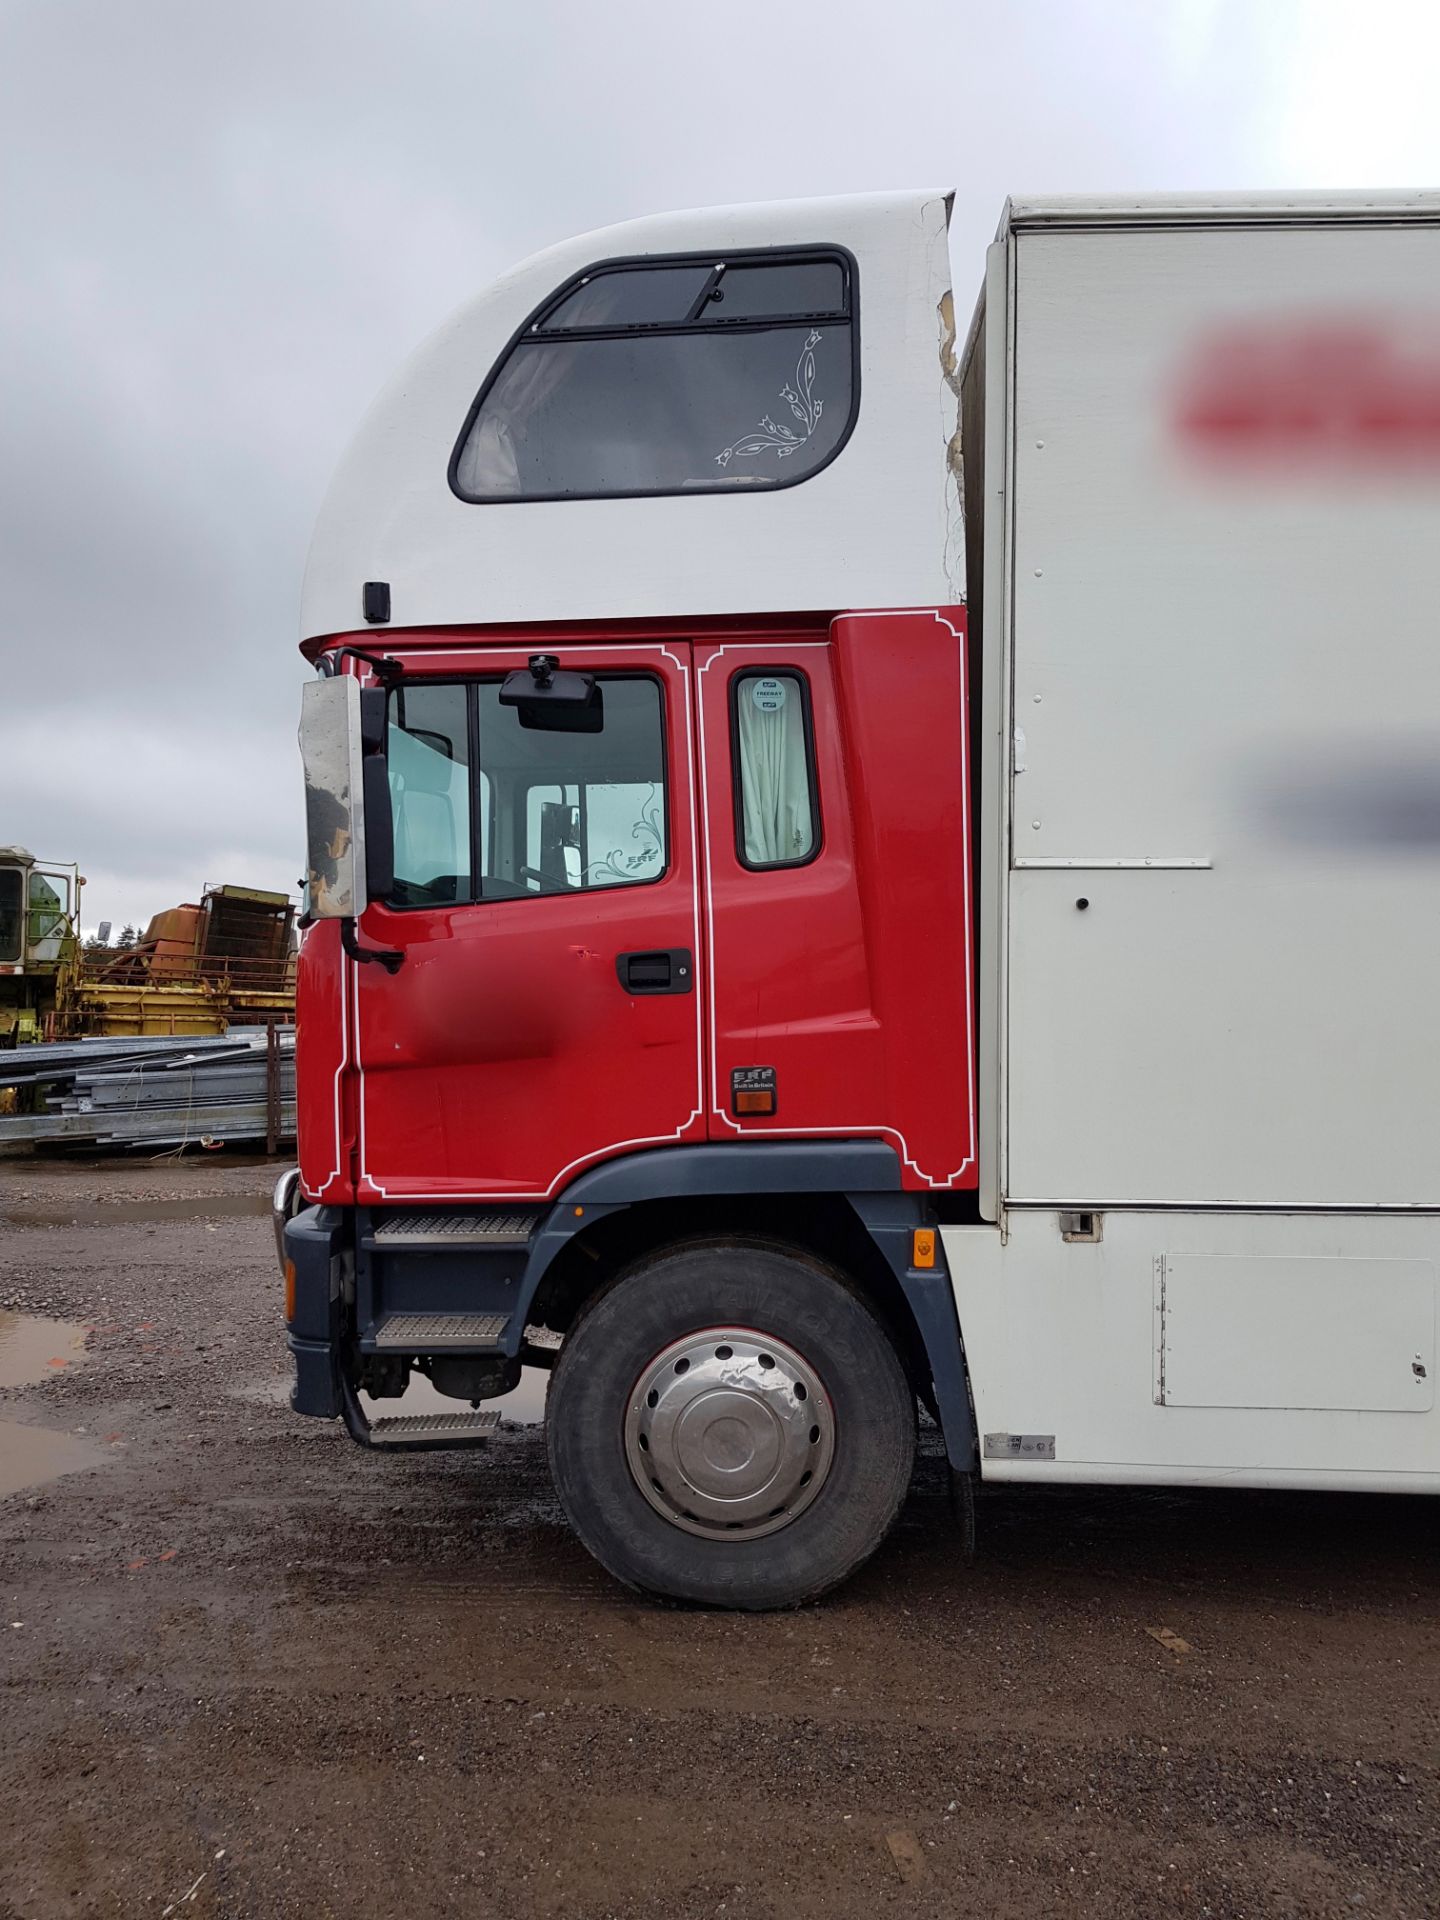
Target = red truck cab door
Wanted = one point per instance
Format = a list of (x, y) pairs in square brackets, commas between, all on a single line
[(547, 1010), (837, 829)]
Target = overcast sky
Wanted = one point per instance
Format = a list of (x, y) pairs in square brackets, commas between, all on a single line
[(222, 225)]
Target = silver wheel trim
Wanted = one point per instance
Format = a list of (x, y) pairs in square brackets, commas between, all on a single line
[(729, 1433)]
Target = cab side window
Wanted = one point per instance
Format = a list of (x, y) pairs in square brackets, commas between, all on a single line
[(542, 812), (777, 814), (574, 811)]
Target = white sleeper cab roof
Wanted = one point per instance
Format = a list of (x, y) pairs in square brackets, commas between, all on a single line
[(732, 410)]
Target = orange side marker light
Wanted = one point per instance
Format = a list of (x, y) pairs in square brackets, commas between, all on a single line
[(756, 1100), (922, 1251)]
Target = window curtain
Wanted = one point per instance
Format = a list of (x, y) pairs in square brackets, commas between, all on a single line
[(774, 778)]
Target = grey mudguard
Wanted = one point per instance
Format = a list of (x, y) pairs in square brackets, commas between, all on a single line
[(865, 1172), (674, 1173), (779, 1166), (890, 1220)]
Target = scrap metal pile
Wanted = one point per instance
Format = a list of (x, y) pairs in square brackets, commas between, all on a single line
[(151, 1092)]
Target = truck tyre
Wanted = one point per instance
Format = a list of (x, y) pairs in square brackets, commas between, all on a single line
[(729, 1423)]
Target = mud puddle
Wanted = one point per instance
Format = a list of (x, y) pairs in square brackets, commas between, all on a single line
[(31, 1457), (33, 1349), (117, 1213)]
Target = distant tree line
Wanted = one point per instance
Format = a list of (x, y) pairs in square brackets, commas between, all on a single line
[(123, 941)]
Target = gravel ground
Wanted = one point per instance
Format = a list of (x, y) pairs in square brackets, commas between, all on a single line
[(248, 1669)]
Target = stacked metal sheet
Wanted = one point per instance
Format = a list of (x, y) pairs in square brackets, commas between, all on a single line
[(152, 1092)]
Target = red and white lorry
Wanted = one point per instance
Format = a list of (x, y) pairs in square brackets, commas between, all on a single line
[(855, 866)]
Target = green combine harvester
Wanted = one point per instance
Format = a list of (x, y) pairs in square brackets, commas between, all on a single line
[(39, 942)]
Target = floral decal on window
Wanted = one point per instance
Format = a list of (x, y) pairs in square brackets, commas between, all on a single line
[(772, 436), (649, 830)]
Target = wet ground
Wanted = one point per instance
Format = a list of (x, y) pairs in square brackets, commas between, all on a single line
[(250, 1670)]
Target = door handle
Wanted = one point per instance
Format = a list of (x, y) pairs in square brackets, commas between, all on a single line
[(665, 970)]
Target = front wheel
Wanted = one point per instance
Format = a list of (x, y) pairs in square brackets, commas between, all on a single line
[(729, 1423)]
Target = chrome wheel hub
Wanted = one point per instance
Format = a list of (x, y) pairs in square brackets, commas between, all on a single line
[(729, 1433)]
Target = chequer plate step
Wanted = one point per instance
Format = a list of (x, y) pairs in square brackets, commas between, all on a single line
[(507, 1228), (438, 1333), (456, 1427)]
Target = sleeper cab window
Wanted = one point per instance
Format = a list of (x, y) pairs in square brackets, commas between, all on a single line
[(690, 375), (777, 814)]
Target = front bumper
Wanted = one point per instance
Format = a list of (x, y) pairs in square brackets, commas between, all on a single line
[(285, 1202)]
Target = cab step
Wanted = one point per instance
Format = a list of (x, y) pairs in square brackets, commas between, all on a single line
[(461, 1429), (437, 1333), (414, 1432), (451, 1232)]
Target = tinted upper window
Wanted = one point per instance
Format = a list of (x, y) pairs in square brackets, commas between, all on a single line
[(643, 296), (810, 287), (670, 378)]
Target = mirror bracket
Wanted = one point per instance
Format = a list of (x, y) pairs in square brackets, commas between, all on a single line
[(552, 699), (388, 957), (388, 672)]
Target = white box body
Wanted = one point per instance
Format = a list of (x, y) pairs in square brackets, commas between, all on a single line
[(1202, 450)]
